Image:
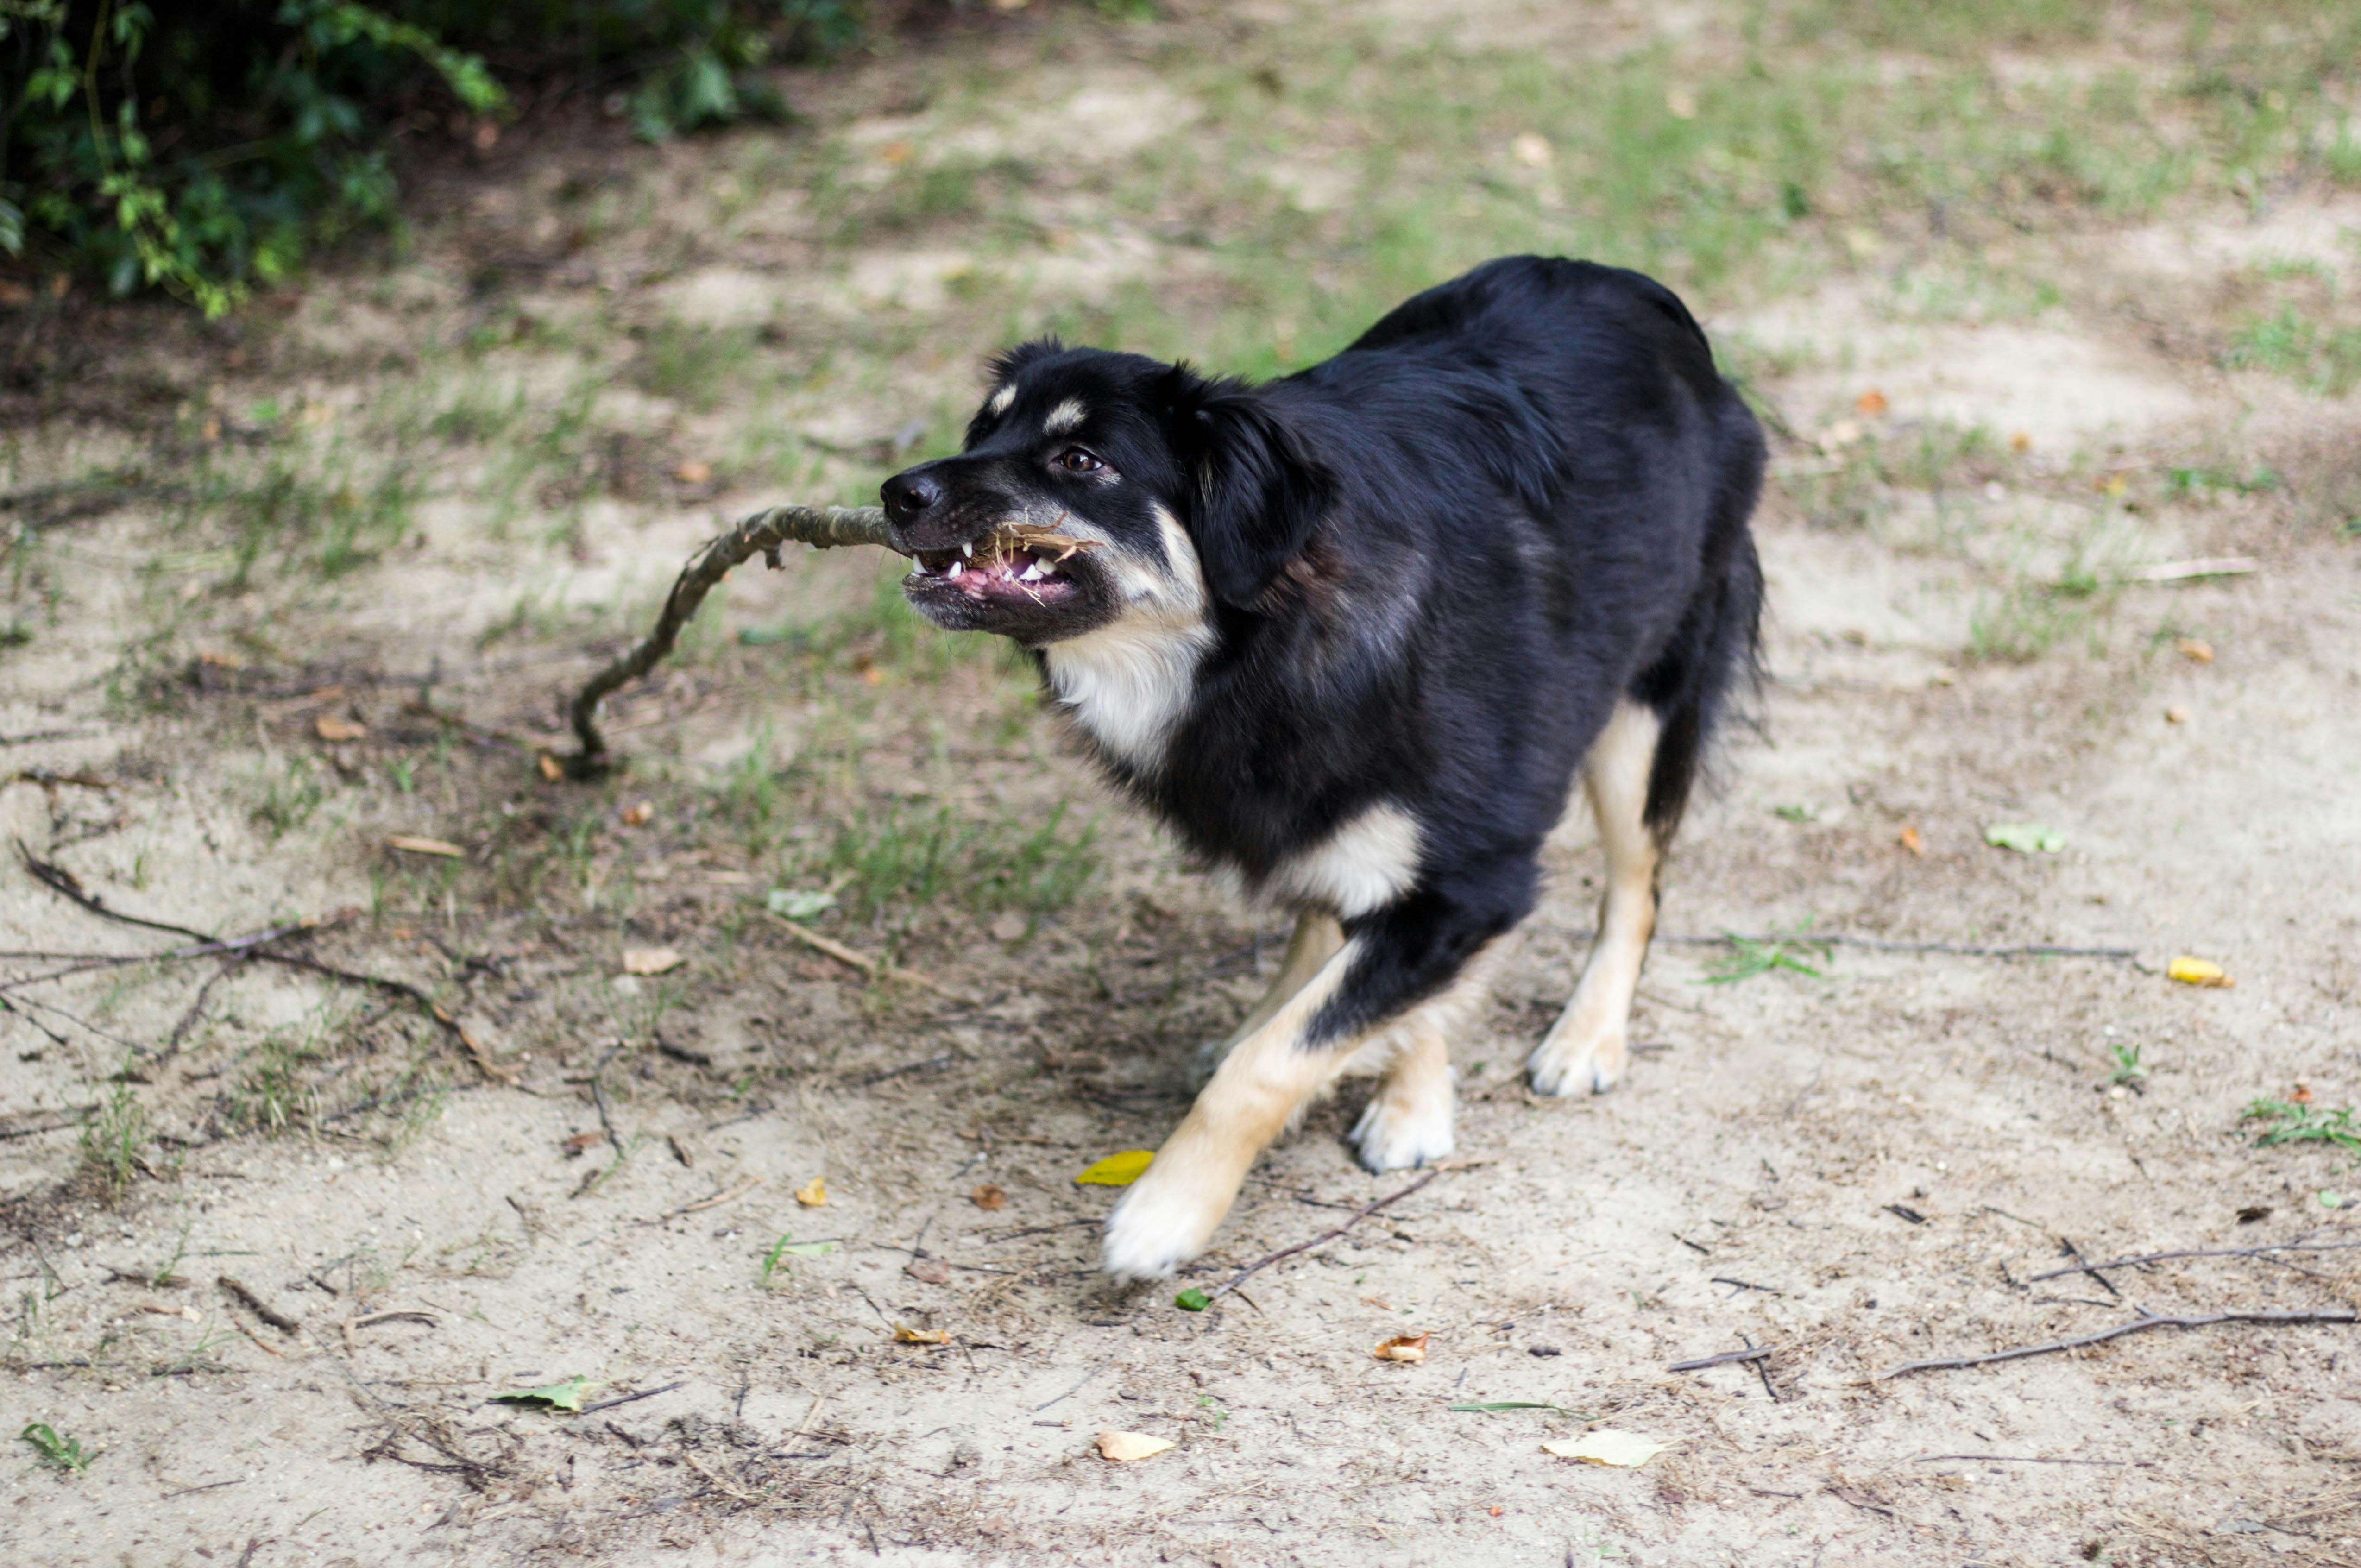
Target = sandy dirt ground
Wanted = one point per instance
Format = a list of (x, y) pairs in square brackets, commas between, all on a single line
[(1884, 1154)]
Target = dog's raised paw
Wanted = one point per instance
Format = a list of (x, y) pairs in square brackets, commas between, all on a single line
[(1153, 1230), (1392, 1136), (1563, 1065)]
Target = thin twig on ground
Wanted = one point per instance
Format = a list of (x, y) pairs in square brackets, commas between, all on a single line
[(2138, 1326), (1358, 1216), (2199, 1252), (2008, 1459), (874, 967), (260, 1308), (2081, 1265), (1751, 1352), (629, 1398), (67, 885)]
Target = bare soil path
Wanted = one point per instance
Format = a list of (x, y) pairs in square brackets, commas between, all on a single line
[(378, 531)]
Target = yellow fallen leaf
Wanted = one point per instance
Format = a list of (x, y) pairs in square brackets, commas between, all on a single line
[(813, 1195), (2194, 649), (1872, 402), (336, 727), (2176, 714), (551, 768), (1912, 842), (1402, 1347), (693, 472), (2197, 971), (651, 960), (905, 1335), (989, 1196), (1117, 1169), (1623, 1450), (418, 845), (1124, 1447), (637, 816)]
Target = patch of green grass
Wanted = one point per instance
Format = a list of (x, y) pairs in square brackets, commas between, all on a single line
[(273, 1092), (694, 365), (1749, 957), (291, 797), (306, 511), (115, 1140), (2322, 358), (2200, 480), (2288, 1122), (903, 857), (57, 1452), (785, 1247)]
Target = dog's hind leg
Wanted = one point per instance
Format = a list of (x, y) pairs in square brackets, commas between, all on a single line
[(1587, 1047), (1317, 937), (1396, 963), (1408, 1120)]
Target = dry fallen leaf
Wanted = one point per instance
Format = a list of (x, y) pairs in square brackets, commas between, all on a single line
[(551, 768), (693, 472), (1402, 1347), (904, 1334), (1008, 925), (1124, 1447), (1839, 435), (637, 816), (2197, 971), (1532, 150), (813, 1194), (2190, 648), (989, 1196), (929, 1271), (2303, 1095), (336, 727), (2176, 714), (418, 845), (1911, 842), (651, 960), (580, 1141), (1623, 1450), (1872, 402), (2018, 441), (1119, 1169)]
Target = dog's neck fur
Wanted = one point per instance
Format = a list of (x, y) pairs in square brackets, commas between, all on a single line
[(1128, 683)]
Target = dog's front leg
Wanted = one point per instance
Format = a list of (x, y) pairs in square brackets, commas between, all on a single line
[(1170, 1214)]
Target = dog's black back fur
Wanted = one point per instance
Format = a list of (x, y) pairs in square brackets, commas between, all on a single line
[(1435, 562)]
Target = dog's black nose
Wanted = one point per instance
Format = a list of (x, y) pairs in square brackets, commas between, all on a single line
[(910, 496)]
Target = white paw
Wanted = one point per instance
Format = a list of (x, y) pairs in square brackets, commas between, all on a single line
[(1156, 1227), (1391, 1137), (1563, 1064)]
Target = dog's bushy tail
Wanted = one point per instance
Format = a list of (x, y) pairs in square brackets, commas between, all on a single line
[(1715, 657)]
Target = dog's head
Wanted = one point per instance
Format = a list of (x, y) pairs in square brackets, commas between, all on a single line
[(1095, 486)]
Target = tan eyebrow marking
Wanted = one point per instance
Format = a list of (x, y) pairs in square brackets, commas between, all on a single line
[(1000, 402), (1066, 416)]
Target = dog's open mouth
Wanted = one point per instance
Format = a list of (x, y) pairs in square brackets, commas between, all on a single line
[(1013, 564)]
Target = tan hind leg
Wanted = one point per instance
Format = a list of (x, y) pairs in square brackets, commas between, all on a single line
[(1587, 1047), (1408, 1120)]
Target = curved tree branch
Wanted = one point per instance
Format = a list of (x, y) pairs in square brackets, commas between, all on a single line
[(823, 528)]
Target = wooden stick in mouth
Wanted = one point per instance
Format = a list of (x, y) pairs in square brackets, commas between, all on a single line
[(823, 528)]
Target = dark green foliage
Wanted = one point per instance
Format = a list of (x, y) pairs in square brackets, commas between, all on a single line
[(203, 147)]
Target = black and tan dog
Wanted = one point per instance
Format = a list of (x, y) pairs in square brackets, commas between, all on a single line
[(1352, 634)]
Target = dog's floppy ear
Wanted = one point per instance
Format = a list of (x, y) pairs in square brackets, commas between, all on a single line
[(1253, 492)]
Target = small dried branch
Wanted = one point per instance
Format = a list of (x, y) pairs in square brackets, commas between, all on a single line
[(2138, 1326), (1757, 1353), (2198, 1251), (1360, 1214), (823, 528), (260, 1308)]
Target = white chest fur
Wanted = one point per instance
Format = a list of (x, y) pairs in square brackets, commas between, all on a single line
[(1128, 684)]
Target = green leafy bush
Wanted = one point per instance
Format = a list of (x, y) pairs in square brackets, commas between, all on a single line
[(204, 150)]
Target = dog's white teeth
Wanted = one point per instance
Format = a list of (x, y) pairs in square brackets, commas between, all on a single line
[(954, 570), (967, 551), (1032, 572)]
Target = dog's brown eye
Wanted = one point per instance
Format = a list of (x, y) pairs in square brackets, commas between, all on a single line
[(1074, 460)]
